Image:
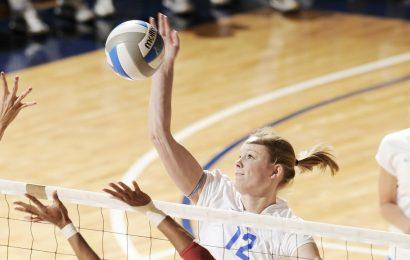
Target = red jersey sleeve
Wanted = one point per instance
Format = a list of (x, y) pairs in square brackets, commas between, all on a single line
[(196, 252)]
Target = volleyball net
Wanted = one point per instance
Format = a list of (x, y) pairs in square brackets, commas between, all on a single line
[(115, 231)]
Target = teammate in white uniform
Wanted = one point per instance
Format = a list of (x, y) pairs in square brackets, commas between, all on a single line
[(266, 164), (393, 157)]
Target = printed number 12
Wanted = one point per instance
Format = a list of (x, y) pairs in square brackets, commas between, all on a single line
[(243, 249)]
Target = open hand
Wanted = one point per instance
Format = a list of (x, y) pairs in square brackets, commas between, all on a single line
[(170, 37), (56, 213), (11, 103), (133, 197)]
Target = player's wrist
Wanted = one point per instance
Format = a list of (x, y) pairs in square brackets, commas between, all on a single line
[(69, 230), (168, 65), (154, 214), (64, 223)]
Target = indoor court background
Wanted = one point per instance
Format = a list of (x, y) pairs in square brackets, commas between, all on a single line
[(90, 126)]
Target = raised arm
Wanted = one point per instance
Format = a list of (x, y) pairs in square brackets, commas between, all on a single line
[(57, 214), (11, 103), (183, 168)]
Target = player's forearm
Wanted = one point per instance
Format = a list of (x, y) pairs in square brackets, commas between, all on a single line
[(176, 234), (393, 214), (2, 130), (160, 100), (82, 250), (80, 247)]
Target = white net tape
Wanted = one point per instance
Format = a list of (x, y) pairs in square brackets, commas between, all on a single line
[(322, 230)]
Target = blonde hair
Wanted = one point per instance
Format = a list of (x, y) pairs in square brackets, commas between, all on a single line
[(282, 152)]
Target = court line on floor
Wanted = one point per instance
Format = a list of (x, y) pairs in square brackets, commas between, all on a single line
[(302, 111), (137, 168)]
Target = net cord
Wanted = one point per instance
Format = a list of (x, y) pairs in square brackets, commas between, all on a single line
[(98, 199)]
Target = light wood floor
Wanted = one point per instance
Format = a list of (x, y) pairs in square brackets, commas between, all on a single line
[(90, 126)]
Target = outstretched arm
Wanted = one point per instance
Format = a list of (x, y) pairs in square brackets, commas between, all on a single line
[(57, 214), (11, 103), (183, 168), (176, 234), (388, 202)]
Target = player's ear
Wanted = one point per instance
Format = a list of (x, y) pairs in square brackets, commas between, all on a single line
[(277, 171)]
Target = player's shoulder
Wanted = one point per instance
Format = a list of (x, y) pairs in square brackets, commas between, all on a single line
[(216, 175), (279, 209), (402, 135), (218, 191), (396, 139)]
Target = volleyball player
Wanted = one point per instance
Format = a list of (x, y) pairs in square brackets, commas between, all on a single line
[(393, 158), (266, 164), (57, 214), (11, 103)]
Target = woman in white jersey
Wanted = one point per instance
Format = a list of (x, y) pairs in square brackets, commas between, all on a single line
[(266, 164), (393, 157)]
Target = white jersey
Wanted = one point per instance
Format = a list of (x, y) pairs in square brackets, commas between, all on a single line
[(394, 156), (235, 242)]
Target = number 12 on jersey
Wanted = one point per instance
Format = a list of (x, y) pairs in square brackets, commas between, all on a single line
[(243, 251)]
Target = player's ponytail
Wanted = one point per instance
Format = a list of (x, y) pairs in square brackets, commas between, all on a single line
[(317, 156), (282, 152)]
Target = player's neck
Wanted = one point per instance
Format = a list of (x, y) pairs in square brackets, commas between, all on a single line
[(257, 204)]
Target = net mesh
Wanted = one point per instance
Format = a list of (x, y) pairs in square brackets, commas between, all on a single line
[(115, 231)]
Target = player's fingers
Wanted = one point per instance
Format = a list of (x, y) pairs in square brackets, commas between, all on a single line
[(175, 38), (115, 187), (32, 218), (25, 210), (118, 189), (23, 105), (22, 96), (114, 194), (25, 207), (136, 187), (22, 209), (166, 25), (15, 88), (125, 187), (161, 27), (35, 201), (5, 86), (57, 199), (152, 22)]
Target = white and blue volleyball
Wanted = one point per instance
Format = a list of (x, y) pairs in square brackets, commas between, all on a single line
[(134, 50)]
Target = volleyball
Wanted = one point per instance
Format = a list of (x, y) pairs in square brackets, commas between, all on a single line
[(134, 50)]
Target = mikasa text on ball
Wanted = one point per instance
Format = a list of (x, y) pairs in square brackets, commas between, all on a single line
[(134, 50)]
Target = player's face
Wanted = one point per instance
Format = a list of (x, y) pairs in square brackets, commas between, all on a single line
[(253, 170)]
